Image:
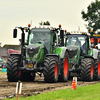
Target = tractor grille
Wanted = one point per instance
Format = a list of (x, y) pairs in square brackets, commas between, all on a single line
[(32, 50), (72, 53)]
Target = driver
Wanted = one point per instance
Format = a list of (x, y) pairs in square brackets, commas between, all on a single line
[(78, 42), (69, 41), (43, 37)]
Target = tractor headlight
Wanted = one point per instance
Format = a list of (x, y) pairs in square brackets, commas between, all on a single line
[(30, 65)]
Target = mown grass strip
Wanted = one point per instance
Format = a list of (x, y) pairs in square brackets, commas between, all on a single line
[(2, 72), (90, 92)]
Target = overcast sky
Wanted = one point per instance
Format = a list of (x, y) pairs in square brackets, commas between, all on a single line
[(21, 12)]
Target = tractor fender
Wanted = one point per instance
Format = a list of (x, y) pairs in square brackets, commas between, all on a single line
[(87, 56), (95, 53), (55, 55), (61, 51), (15, 54)]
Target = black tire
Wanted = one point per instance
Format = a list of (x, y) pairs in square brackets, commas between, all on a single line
[(64, 71), (12, 70), (87, 69), (50, 69), (97, 70), (27, 76)]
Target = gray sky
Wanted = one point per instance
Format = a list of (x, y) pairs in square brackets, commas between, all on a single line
[(21, 12)]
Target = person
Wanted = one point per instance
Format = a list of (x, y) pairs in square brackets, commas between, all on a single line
[(83, 48), (69, 41), (78, 42)]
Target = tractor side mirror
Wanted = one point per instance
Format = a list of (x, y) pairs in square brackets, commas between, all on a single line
[(14, 33)]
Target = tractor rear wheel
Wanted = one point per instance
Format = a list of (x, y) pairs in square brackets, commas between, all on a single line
[(12, 68), (97, 70), (64, 69), (87, 69), (27, 76), (51, 69)]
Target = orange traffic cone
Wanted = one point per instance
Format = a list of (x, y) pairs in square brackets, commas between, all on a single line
[(73, 85)]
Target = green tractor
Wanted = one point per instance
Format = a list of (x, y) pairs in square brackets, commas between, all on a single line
[(41, 54), (83, 59)]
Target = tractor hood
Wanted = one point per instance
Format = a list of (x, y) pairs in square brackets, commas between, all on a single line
[(72, 50), (34, 51)]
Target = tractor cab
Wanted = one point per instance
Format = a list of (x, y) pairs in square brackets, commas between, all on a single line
[(78, 47), (77, 41), (38, 36)]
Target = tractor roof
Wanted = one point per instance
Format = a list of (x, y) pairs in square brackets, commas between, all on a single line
[(43, 28), (77, 33), (40, 29)]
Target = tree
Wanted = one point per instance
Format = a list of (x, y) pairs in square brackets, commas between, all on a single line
[(92, 16), (44, 23)]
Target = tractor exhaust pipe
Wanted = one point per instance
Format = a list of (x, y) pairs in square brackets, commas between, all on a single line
[(62, 37)]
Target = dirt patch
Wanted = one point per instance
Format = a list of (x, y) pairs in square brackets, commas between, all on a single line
[(7, 89)]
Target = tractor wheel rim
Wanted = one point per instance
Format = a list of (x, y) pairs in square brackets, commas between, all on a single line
[(55, 69), (65, 67), (99, 68), (92, 70)]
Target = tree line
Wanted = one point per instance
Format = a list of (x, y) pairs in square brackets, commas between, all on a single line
[(92, 16)]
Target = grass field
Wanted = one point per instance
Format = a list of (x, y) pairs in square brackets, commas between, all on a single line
[(90, 92)]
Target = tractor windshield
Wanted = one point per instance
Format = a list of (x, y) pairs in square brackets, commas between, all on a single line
[(40, 37), (77, 40)]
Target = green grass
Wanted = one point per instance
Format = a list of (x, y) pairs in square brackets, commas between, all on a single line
[(90, 92), (2, 72)]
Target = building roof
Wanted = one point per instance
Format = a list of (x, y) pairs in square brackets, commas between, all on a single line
[(4, 49), (9, 46)]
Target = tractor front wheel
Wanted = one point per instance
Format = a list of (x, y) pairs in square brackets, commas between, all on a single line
[(64, 69), (12, 68), (50, 69), (97, 70), (87, 69)]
